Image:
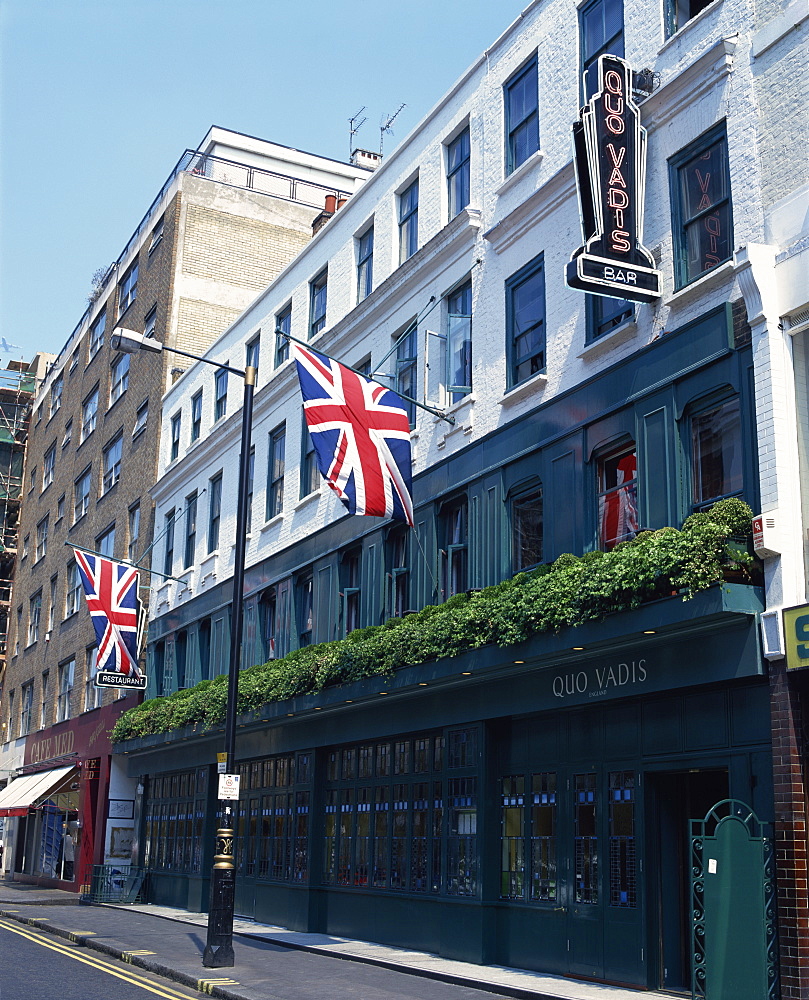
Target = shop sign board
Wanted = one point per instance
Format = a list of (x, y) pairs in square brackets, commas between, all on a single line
[(796, 636), (610, 155)]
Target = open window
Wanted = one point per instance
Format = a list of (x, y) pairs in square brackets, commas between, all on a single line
[(617, 496)]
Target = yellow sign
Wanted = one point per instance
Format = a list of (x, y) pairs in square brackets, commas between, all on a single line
[(221, 758), (796, 636)]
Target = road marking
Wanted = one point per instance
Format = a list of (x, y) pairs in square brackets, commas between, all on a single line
[(101, 966), (207, 985)]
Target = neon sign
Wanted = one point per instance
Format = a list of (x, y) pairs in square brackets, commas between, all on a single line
[(610, 156)]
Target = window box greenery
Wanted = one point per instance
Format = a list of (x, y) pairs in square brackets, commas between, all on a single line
[(571, 591)]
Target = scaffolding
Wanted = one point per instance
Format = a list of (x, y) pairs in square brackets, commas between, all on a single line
[(18, 387)]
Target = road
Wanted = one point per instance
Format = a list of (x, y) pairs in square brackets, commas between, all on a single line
[(35, 964)]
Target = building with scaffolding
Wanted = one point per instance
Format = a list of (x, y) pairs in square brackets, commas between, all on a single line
[(231, 215)]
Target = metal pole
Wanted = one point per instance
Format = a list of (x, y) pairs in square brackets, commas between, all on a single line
[(218, 952)]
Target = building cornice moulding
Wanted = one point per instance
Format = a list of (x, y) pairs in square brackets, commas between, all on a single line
[(557, 190)]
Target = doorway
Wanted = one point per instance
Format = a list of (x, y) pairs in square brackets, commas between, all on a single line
[(677, 797)]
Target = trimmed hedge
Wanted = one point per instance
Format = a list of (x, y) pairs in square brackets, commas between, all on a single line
[(571, 591)]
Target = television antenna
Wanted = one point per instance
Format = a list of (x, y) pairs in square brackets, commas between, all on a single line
[(354, 127), (385, 125)]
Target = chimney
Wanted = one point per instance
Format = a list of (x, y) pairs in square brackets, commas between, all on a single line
[(365, 158)]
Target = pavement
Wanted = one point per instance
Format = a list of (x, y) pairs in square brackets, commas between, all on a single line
[(169, 942)]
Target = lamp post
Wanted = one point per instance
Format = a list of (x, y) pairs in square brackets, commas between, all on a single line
[(218, 952)]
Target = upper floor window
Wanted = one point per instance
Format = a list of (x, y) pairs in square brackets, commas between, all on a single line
[(26, 707), (150, 322), (317, 304), (48, 466), (157, 234), (74, 589), (716, 453), (56, 394), (702, 225), (34, 616), (407, 369), (92, 695), (454, 529), (365, 264), (522, 115), (350, 589), (214, 511), (96, 341), (119, 377), (133, 533), (89, 412), (458, 173), (176, 429), (601, 25), (252, 352), (409, 221), (112, 463), (527, 528), (196, 415), (310, 473), (141, 419), (105, 543), (190, 548), (220, 405), (42, 539), (81, 495), (275, 472), (283, 324), (525, 322), (680, 12), (617, 497), (168, 552), (68, 434), (459, 342), (304, 600), (399, 572), (128, 289), (603, 314), (66, 677)]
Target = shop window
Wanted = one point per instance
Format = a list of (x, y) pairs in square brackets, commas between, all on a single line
[(585, 839), (454, 555), (623, 879), (617, 497), (462, 865), (601, 27), (680, 12), (512, 837), (174, 822), (525, 322), (459, 343), (543, 837), (350, 589), (522, 115), (702, 224), (716, 453), (458, 173), (527, 525), (604, 314)]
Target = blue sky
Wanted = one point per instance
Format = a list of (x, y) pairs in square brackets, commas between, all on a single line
[(99, 99)]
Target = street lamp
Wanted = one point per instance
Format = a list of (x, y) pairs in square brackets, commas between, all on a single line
[(218, 952)]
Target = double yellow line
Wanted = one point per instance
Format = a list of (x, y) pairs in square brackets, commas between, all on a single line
[(95, 963)]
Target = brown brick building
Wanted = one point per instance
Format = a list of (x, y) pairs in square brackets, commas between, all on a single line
[(230, 216)]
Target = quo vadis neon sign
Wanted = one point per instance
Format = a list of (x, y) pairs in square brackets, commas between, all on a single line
[(610, 156)]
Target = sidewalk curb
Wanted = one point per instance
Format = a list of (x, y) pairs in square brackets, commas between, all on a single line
[(139, 961)]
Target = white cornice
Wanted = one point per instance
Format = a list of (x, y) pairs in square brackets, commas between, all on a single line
[(513, 227)]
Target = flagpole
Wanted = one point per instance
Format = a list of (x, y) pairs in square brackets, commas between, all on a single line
[(123, 562), (422, 406)]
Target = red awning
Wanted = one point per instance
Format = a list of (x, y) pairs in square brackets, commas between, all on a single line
[(24, 793)]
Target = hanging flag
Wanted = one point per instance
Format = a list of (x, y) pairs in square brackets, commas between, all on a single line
[(111, 591), (361, 434)]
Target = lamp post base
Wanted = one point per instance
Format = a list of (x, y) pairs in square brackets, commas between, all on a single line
[(218, 952)]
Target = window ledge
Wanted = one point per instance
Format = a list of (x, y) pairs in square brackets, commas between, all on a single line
[(517, 175), (207, 567), (275, 519), (626, 331), (248, 535), (711, 279), (704, 13), (309, 498), (518, 392)]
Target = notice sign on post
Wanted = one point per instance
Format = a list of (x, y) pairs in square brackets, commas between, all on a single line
[(229, 786), (221, 763)]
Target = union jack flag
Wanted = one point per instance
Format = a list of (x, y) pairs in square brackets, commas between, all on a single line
[(361, 434), (111, 590)]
